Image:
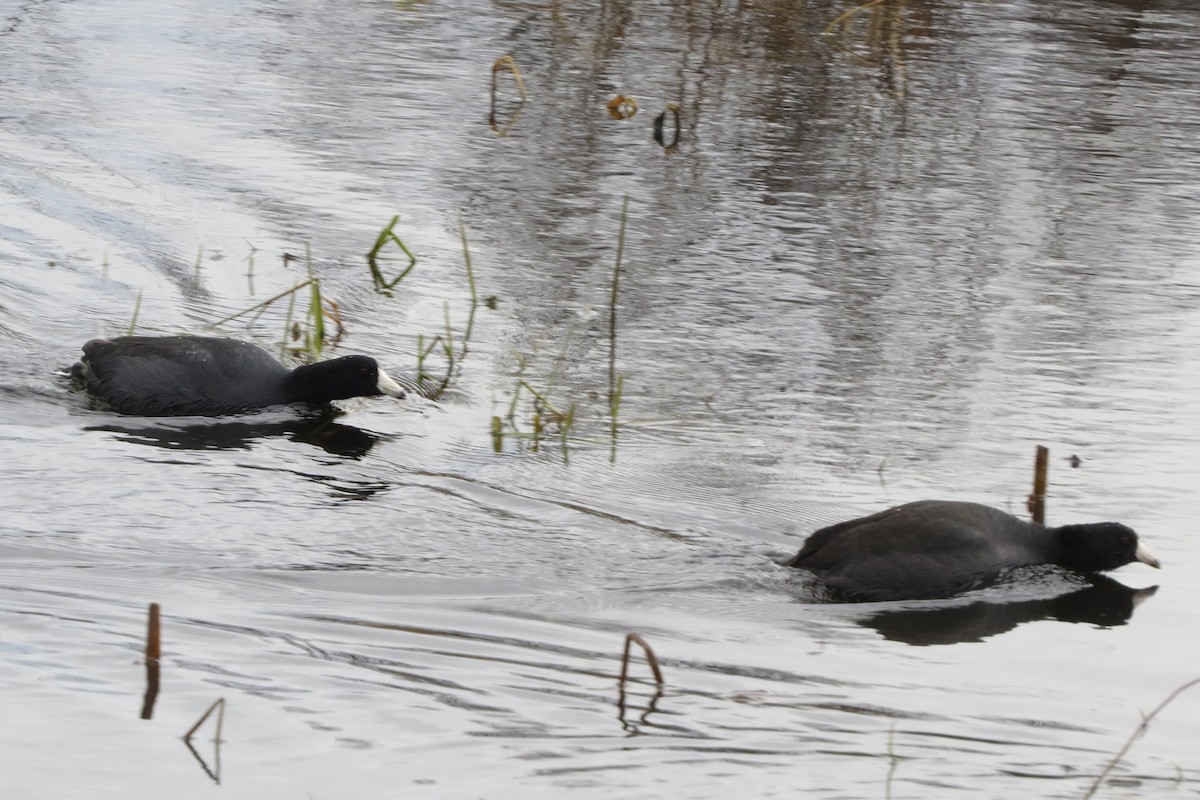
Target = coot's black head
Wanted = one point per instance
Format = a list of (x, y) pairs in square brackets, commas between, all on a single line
[(339, 378), (1100, 546)]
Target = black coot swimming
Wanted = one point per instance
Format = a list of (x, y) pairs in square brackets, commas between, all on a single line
[(935, 548), (166, 376)]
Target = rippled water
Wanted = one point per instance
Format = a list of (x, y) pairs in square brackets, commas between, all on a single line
[(883, 263)]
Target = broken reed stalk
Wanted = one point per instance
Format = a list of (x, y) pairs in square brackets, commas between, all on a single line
[(503, 63), (423, 353), (541, 398), (651, 659), (386, 235), (219, 704), (497, 434), (263, 304), (1037, 500), (153, 653), (1138, 731), (153, 633), (506, 62), (614, 386)]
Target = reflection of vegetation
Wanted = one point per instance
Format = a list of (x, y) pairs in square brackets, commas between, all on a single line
[(215, 772), (847, 15), (881, 41), (545, 415), (506, 63)]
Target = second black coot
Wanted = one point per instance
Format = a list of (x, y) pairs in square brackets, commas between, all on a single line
[(159, 376), (936, 548)]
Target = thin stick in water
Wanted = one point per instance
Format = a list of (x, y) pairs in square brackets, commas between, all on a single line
[(219, 704), (153, 653), (1138, 731), (651, 659), (137, 307), (1037, 500), (153, 633), (292, 291)]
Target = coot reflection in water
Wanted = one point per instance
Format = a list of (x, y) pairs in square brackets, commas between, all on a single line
[(1104, 602), (321, 431)]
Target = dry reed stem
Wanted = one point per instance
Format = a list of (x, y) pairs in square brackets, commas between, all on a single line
[(1138, 731), (651, 659), (220, 703), (850, 13), (153, 653), (1037, 500), (153, 633)]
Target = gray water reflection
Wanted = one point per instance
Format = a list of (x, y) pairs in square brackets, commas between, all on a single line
[(334, 438), (884, 261), (1104, 603)]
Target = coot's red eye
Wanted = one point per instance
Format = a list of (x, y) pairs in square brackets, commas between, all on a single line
[(366, 373), (1125, 540)]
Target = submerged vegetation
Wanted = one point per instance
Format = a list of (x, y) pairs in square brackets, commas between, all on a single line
[(304, 338), (535, 414), (533, 417)]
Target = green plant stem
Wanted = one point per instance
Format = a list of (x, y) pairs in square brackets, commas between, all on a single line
[(137, 307), (462, 234), (614, 382), (386, 235), (315, 336), (287, 324), (542, 399), (263, 304)]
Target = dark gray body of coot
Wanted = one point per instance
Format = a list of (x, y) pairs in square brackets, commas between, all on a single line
[(937, 548), (163, 376)]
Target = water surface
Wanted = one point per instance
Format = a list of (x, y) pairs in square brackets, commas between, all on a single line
[(884, 262)]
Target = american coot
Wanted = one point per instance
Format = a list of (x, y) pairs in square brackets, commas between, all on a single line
[(935, 548), (166, 376)]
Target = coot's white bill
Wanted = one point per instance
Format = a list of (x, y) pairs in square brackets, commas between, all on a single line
[(387, 386)]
